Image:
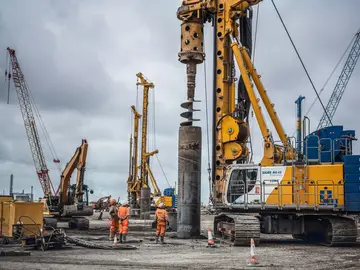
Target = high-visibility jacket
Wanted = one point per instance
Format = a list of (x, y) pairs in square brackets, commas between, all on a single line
[(123, 212), (161, 216), (113, 212)]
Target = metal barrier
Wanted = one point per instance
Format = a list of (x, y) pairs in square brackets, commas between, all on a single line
[(238, 193), (322, 143), (307, 148), (347, 148)]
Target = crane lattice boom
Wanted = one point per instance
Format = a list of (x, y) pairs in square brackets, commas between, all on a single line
[(341, 83), (30, 124)]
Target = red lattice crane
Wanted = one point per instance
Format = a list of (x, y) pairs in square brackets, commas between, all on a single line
[(30, 124)]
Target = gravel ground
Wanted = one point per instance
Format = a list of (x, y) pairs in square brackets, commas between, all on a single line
[(274, 252)]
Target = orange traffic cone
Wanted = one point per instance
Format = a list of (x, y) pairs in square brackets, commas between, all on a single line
[(210, 239), (253, 259), (115, 240)]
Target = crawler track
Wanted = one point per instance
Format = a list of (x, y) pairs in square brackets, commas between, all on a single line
[(239, 228), (340, 232), (246, 227)]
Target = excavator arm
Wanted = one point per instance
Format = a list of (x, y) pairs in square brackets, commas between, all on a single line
[(77, 161), (81, 171)]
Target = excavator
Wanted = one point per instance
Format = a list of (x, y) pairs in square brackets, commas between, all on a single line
[(313, 196), (102, 204), (72, 204)]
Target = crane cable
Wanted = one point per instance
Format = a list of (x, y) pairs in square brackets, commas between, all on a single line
[(256, 30), (154, 138), (207, 127), (41, 122), (253, 59), (44, 130), (332, 73), (328, 79), (162, 169), (302, 63), (154, 133)]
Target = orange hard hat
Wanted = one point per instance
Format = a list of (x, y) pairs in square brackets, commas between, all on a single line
[(112, 202)]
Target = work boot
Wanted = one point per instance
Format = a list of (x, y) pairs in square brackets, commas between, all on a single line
[(121, 238), (156, 239), (111, 236), (124, 238), (162, 240)]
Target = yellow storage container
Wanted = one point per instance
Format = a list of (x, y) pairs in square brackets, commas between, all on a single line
[(5, 198), (29, 213), (167, 200)]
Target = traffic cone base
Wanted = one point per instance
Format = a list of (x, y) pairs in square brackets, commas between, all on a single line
[(210, 239), (253, 259)]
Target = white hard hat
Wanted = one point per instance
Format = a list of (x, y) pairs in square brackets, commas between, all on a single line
[(161, 205), (123, 202)]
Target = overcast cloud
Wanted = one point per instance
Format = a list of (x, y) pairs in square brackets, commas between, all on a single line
[(80, 59)]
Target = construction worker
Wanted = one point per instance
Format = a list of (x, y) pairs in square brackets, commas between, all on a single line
[(123, 214), (114, 220), (161, 218)]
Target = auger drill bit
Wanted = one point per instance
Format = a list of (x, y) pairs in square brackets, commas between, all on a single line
[(191, 54)]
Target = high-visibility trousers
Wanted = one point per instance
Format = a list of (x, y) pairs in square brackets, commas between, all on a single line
[(114, 226), (124, 226), (160, 229)]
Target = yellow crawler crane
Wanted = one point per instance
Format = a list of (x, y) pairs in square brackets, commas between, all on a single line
[(281, 194)]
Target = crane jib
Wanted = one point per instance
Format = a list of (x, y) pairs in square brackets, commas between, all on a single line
[(30, 124)]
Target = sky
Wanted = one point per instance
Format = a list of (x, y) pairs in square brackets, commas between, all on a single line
[(80, 60)]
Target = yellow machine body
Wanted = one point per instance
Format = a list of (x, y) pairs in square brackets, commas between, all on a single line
[(282, 187), (30, 214), (167, 200), (5, 198)]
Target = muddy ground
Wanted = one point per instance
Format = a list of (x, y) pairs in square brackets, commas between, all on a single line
[(274, 252)]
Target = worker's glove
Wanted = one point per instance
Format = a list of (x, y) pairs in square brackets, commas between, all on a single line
[(167, 223)]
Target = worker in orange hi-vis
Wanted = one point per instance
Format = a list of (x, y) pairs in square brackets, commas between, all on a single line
[(161, 218), (114, 220), (123, 214)]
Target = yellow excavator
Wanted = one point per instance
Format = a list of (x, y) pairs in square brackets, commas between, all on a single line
[(72, 202)]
